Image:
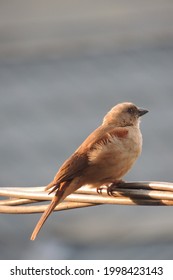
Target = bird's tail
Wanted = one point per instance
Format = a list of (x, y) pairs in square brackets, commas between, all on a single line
[(59, 196)]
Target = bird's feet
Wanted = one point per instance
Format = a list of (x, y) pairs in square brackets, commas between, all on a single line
[(100, 189), (111, 187)]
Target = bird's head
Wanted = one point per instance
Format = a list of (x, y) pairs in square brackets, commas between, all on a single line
[(124, 114)]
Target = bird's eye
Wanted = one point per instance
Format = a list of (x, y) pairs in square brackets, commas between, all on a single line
[(130, 110)]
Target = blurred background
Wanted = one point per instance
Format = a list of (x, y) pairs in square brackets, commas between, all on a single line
[(63, 65)]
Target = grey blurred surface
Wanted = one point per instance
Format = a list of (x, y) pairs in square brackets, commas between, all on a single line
[(63, 65)]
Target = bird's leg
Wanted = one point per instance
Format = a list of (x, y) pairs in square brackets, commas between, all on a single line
[(101, 188), (112, 187)]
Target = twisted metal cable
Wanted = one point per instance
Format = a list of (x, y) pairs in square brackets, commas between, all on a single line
[(32, 200)]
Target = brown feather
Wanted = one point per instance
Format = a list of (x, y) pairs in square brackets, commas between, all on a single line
[(64, 190), (75, 164), (104, 157)]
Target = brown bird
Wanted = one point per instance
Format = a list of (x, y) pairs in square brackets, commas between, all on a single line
[(104, 157)]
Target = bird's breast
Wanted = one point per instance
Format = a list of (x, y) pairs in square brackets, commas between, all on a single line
[(117, 154)]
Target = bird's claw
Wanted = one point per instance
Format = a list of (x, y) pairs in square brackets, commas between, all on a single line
[(100, 189), (112, 187)]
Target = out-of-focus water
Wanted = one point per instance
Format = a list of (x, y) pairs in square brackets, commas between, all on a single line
[(48, 105)]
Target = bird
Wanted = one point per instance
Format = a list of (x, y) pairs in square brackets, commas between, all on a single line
[(103, 159)]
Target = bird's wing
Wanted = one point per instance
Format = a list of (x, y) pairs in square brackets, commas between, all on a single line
[(75, 164), (78, 161), (103, 136), (71, 167)]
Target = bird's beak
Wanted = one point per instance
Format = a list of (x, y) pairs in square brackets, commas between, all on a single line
[(142, 112)]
